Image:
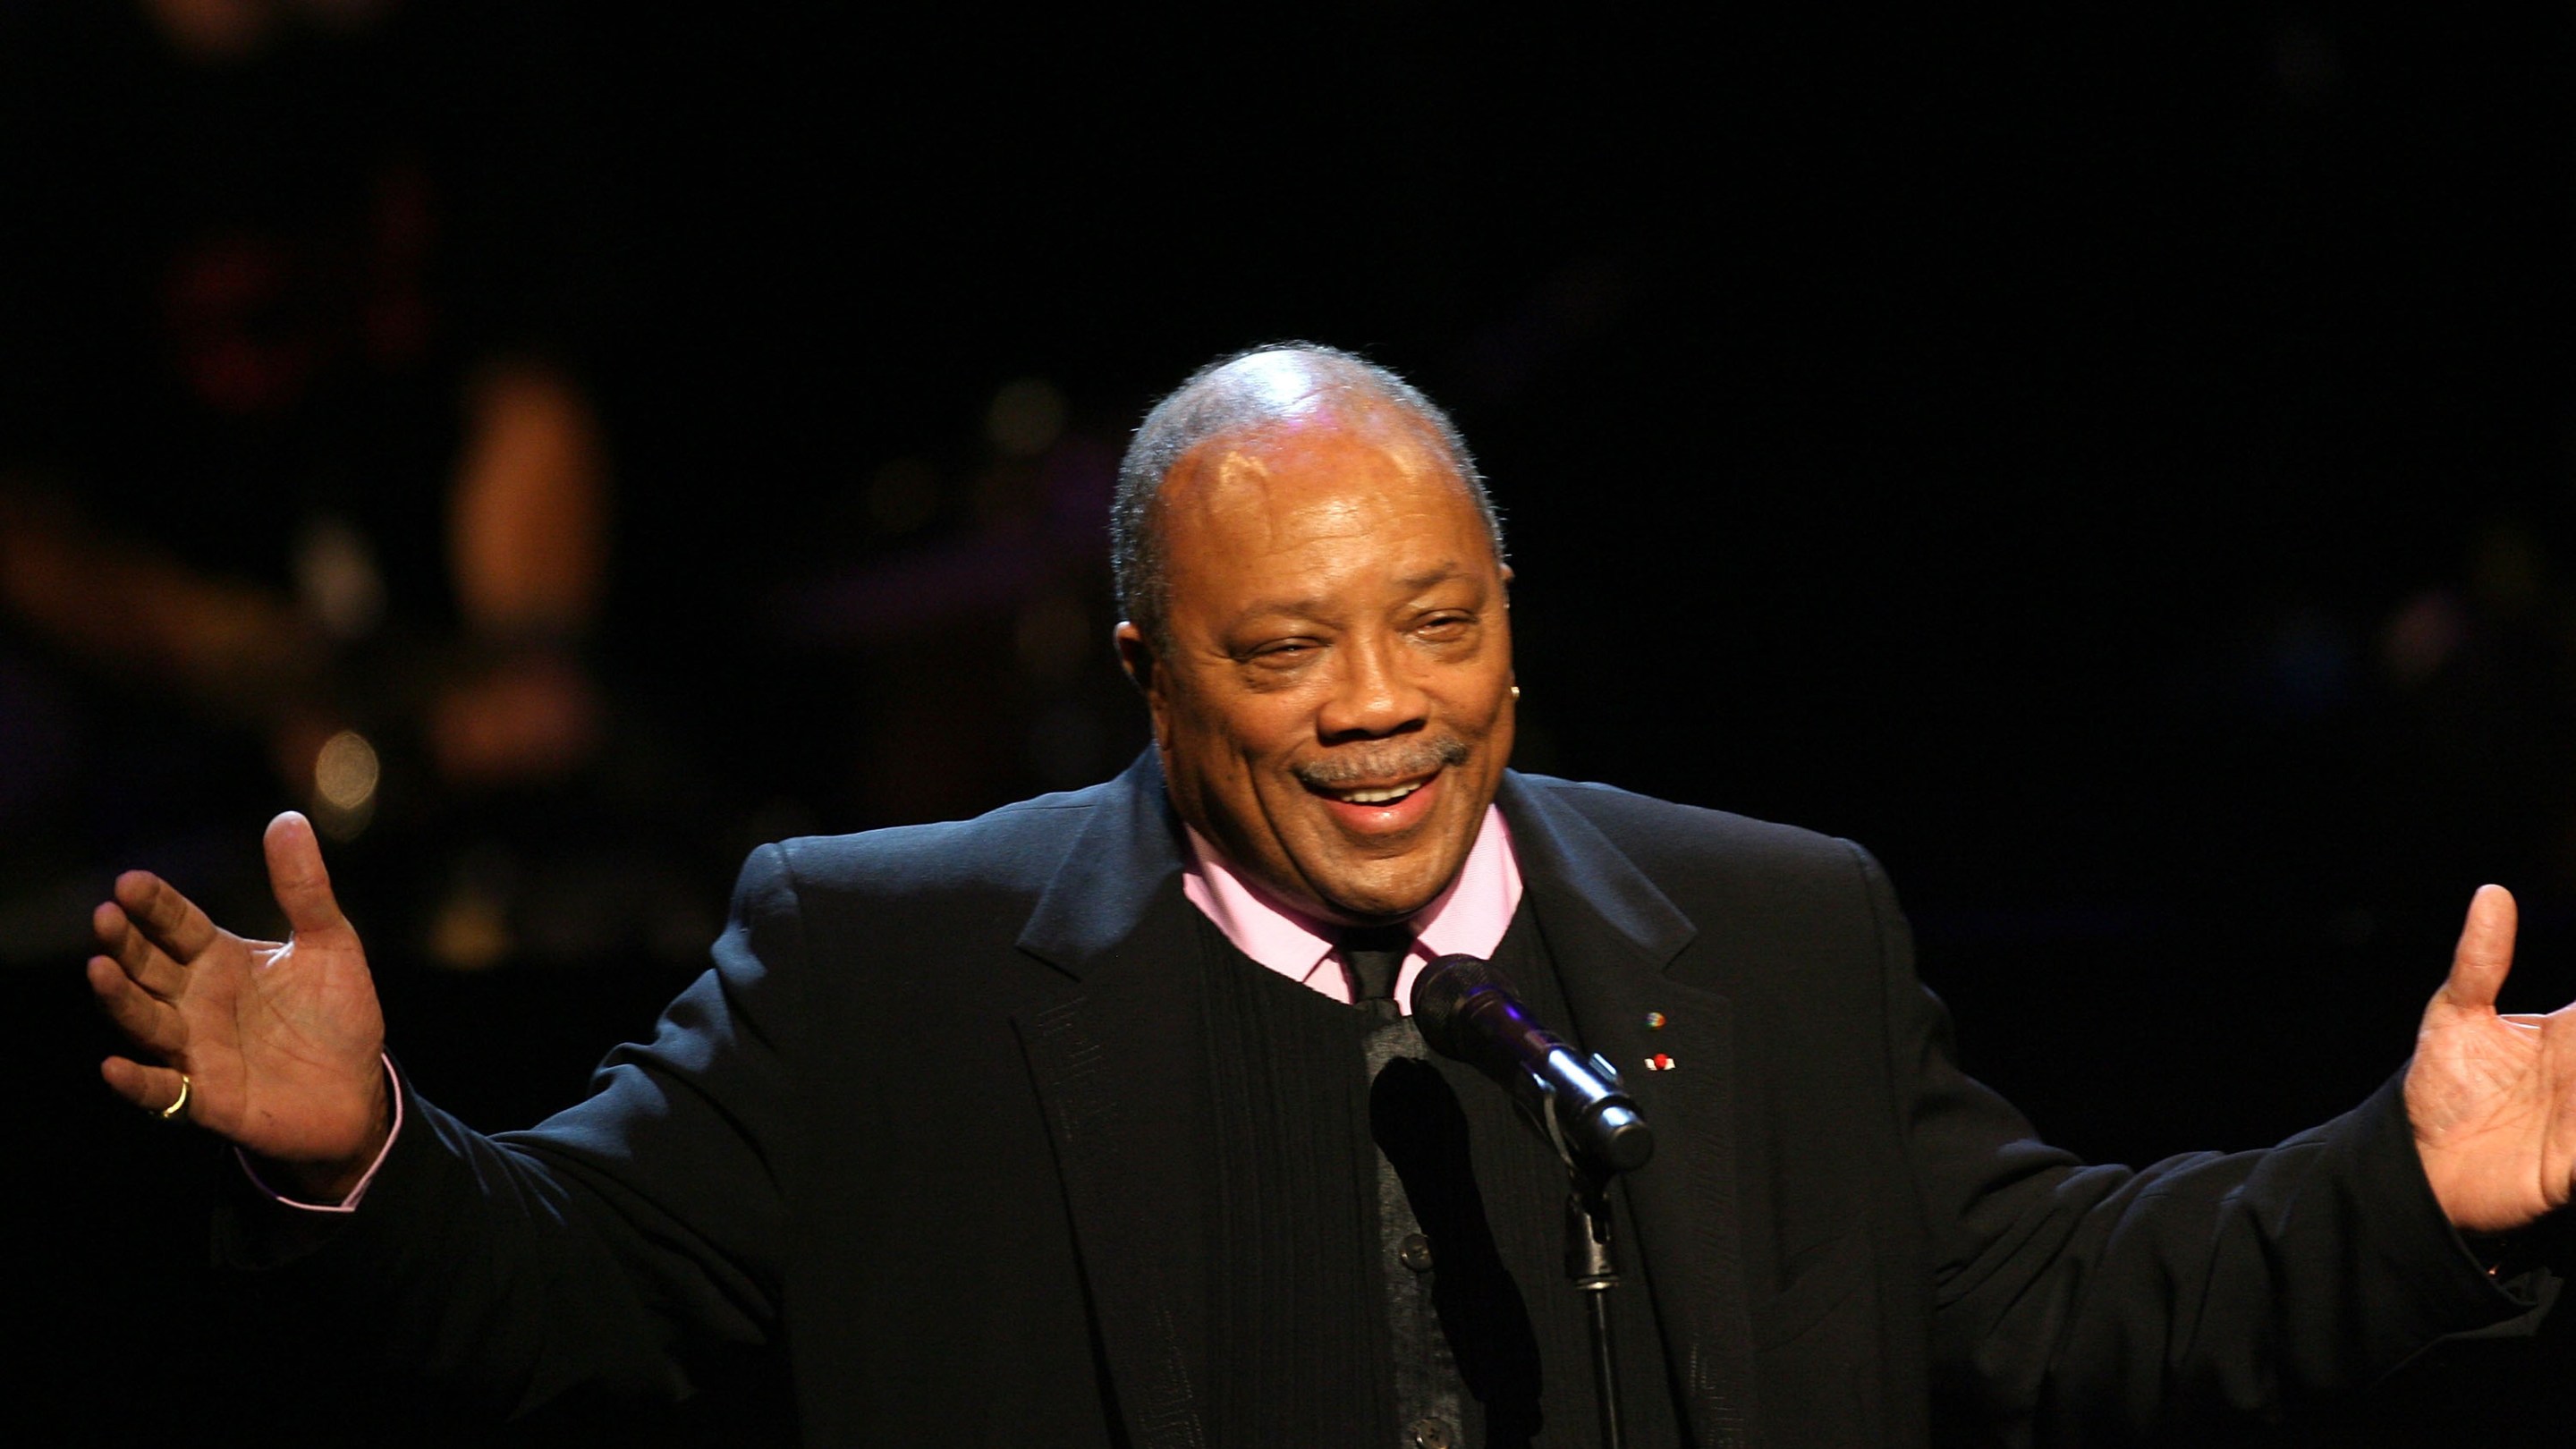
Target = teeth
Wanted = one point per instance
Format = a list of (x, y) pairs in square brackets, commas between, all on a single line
[(1379, 797)]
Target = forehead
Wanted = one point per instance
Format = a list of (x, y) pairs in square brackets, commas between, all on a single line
[(1375, 477)]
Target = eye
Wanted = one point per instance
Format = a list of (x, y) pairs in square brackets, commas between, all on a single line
[(1444, 628), (1282, 653)]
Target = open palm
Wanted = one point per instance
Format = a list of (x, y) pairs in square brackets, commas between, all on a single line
[(280, 1041), (2492, 1098)]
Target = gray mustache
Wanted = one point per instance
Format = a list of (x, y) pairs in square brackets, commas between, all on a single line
[(1394, 760)]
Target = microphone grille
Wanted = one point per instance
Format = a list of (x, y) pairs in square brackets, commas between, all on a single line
[(1441, 991)]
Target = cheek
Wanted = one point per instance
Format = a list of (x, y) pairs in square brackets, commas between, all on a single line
[(1484, 709), (1214, 750), (1249, 728)]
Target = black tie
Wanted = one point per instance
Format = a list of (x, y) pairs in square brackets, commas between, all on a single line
[(1375, 955)]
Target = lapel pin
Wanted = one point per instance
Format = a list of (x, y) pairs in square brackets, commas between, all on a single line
[(1654, 1021), (1659, 1062)]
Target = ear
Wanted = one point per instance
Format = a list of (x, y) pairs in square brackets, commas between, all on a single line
[(1136, 656)]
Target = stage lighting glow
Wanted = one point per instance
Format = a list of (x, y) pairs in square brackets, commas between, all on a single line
[(345, 773)]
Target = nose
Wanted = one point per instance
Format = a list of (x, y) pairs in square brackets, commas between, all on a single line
[(1374, 693)]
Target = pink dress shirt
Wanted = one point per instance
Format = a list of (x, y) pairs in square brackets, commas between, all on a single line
[(1468, 918)]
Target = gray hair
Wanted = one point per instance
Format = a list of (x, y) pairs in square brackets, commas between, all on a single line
[(1225, 397)]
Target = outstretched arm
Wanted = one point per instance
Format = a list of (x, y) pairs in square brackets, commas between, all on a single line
[(280, 1043), (2492, 1098)]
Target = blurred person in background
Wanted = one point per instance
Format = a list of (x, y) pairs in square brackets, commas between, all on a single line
[(297, 462)]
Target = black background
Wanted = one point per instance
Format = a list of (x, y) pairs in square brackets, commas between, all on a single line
[(2012, 444)]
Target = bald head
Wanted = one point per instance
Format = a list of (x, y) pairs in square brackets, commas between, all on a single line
[(1252, 392)]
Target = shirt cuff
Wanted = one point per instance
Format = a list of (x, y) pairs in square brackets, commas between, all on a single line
[(349, 1204)]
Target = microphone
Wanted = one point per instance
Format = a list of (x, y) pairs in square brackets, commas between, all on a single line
[(1467, 1013)]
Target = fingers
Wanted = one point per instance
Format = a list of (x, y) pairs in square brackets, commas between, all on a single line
[(148, 965), (148, 1021), (172, 920), (297, 877), (2485, 952), (151, 1088)]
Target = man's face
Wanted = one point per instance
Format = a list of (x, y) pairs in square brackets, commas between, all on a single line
[(1334, 706)]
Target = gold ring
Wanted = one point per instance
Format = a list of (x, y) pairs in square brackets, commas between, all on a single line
[(172, 1113)]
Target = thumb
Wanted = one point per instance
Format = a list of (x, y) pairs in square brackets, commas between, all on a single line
[(2485, 952), (297, 878)]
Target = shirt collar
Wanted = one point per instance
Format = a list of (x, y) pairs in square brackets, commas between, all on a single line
[(1468, 918)]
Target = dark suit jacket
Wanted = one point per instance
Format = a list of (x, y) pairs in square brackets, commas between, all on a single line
[(921, 1125)]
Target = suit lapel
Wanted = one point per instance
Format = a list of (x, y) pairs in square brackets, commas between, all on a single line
[(1612, 935), (1118, 1068)]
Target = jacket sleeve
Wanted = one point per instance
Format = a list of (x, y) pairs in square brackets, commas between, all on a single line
[(596, 1249), (2083, 1304)]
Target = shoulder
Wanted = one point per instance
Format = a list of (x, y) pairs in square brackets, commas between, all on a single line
[(1662, 833), (914, 906), (1751, 889), (1013, 851)]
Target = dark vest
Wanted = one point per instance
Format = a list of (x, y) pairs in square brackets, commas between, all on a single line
[(1332, 1321)]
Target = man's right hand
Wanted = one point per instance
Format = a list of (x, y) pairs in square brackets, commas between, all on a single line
[(282, 1042)]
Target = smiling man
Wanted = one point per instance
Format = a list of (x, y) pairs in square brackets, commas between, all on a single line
[(1096, 1120), (1315, 591)]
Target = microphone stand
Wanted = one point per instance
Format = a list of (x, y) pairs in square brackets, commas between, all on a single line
[(1589, 1265), (1499, 1038)]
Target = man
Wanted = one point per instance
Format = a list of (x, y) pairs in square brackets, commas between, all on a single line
[(1002, 1131)]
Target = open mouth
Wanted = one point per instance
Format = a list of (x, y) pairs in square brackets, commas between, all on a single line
[(1381, 793), (1381, 809), (1375, 794)]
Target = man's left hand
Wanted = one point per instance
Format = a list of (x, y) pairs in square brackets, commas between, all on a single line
[(2492, 1098)]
